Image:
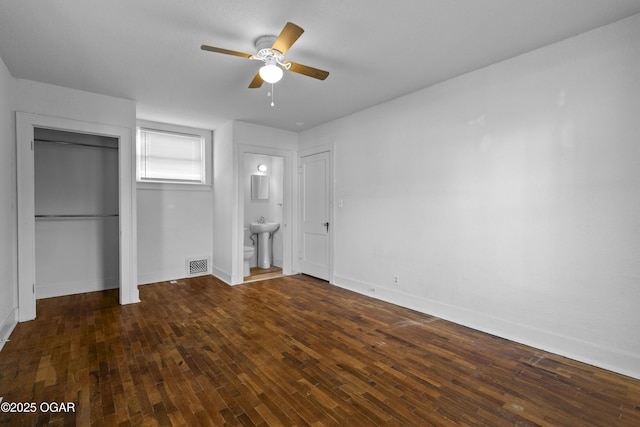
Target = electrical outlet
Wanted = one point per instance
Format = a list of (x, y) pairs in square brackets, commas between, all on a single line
[(396, 280)]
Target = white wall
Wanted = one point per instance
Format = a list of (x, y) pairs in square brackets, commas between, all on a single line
[(225, 206), (57, 101), (264, 136), (276, 212), (231, 142), (174, 221), (506, 199), (173, 227), (8, 197)]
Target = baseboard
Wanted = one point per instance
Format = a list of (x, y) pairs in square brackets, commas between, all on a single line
[(220, 274), (69, 288), (163, 276), (7, 327), (617, 361)]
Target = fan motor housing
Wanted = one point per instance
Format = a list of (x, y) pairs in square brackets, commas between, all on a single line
[(267, 54), (265, 42)]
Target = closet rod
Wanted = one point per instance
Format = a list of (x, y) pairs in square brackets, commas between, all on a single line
[(52, 141), (77, 216)]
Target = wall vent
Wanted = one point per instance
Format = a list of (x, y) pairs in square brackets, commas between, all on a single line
[(197, 266)]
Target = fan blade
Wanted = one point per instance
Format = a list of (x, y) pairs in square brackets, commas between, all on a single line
[(256, 82), (225, 51), (287, 37), (309, 71)]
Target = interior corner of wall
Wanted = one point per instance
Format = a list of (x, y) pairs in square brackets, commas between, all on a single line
[(7, 327)]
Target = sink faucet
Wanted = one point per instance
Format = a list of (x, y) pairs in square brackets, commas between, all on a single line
[(262, 220)]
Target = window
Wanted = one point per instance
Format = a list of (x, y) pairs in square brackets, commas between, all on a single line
[(168, 156)]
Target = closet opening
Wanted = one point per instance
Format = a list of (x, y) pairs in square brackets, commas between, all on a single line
[(76, 212)]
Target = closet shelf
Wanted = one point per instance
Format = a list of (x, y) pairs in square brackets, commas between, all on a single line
[(82, 144), (77, 216)]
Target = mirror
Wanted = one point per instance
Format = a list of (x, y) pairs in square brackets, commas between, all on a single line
[(259, 187)]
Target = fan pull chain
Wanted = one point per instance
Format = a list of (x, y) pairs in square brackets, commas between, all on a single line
[(271, 92)]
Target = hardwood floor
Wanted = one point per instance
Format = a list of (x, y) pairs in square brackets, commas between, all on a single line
[(288, 351)]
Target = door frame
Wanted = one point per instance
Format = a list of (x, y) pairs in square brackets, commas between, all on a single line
[(325, 148), (25, 125)]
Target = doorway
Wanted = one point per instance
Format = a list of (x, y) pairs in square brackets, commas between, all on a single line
[(76, 212), (26, 124), (285, 161), (264, 202), (315, 215)]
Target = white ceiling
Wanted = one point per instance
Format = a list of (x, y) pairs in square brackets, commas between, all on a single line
[(149, 50)]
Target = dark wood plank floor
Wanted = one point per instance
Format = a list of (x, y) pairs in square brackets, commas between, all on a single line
[(288, 351)]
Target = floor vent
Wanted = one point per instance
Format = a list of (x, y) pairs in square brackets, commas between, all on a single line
[(197, 266)]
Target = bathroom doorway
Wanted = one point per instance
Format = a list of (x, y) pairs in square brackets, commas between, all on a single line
[(264, 203)]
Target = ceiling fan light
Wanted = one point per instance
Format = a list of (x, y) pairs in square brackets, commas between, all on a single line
[(271, 73)]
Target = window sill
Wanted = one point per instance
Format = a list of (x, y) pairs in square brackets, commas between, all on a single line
[(167, 186)]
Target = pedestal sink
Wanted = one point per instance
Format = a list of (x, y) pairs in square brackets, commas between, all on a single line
[(264, 230)]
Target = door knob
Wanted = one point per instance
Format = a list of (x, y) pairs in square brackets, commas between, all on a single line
[(326, 224)]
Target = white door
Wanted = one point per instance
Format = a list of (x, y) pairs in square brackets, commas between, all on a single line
[(314, 215)]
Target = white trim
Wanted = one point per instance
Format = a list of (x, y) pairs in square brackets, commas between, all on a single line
[(164, 186), (70, 288), (166, 276), (316, 150), (7, 327), (222, 275), (25, 124)]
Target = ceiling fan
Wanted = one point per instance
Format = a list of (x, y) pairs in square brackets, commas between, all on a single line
[(271, 50)]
